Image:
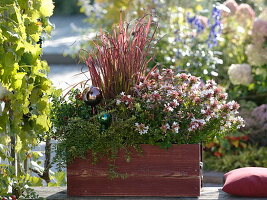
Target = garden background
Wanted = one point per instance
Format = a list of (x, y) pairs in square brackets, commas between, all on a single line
[(223, 41)]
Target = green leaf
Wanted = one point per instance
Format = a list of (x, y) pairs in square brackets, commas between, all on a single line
[(9, 59), (46, 8), (18, 80), (59, 178), (42, 122)]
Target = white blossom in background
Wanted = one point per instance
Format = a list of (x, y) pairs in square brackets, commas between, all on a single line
[(257, 51), (240, 74), (257, 56)]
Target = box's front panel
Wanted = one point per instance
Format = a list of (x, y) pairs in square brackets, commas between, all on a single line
[(157, 173)]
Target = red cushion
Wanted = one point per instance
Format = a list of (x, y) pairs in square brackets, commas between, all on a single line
[(248, 181)]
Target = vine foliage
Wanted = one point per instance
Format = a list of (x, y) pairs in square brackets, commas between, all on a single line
[(25, 107)]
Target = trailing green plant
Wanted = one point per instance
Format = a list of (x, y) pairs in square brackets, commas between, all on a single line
[(25, 88)]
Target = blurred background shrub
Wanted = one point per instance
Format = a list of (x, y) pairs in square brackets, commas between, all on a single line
[(69, 7)]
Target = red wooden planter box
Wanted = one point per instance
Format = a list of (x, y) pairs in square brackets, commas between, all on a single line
[(159, 172)]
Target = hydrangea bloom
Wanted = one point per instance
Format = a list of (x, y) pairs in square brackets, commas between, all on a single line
[(256, 56), (259, 32), (244, 11), (240, 74), (257, 51), (179, 107)]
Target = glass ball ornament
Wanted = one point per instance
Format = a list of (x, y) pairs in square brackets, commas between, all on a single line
[(105, 120), (92, 96)]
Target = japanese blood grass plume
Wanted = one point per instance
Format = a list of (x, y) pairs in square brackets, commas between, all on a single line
[(119, 59)]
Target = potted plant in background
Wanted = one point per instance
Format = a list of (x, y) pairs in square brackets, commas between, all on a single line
[(137, 131)]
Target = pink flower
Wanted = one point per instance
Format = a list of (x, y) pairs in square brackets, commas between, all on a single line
[(165, 127), (259, 32), (126, 99), (217, 91), (141, 128), (232, 5), (174, 94), (196, 124), (168, 108), (155, 96), (193, 79), (156, 76), (214, 104), (197, 100), (174, 103), (222, 96), (175, 127), (183, 76), (245, 12)]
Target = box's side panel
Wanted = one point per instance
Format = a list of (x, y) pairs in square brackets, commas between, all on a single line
[(157, 173)]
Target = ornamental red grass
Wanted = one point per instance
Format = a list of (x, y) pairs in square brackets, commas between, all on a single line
[(119, 60)]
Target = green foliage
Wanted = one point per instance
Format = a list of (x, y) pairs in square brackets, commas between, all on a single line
[(220, 147), (78, 135), (68, 7), (59, 179), (252, 156), (24, 75)]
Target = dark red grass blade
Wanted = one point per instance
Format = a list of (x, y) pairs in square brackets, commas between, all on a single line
[(120, 59)]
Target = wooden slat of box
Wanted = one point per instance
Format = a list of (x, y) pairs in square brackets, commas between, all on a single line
[(157, 172)]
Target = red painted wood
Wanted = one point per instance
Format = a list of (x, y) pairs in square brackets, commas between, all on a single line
[(158, 172)]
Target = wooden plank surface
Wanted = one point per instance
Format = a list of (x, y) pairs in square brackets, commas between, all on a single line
[(207, 193), (157, 172)]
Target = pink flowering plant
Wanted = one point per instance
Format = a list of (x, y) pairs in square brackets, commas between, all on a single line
[(139, 105), (179, 109)]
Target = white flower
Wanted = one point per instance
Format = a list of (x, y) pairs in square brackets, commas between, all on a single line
[(2, 107), (240, 74), (208, 118), (231, 104), (205, 93), (118, 102), (141, 128), (168, 107), (122, 93), (174, 103), (196, 123), (175, 127)]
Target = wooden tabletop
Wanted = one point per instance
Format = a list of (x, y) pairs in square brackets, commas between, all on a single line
[(207, 193)]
